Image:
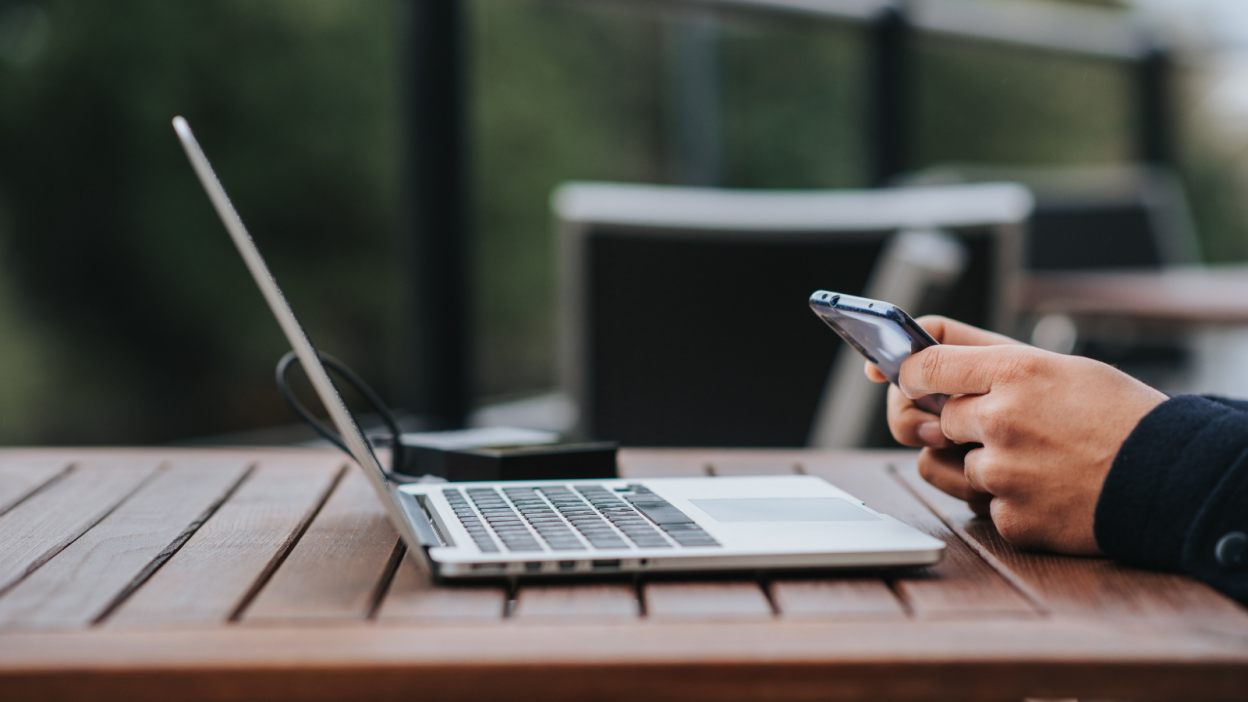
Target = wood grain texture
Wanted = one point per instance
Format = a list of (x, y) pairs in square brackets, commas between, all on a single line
[(38, 528), (836, 598), (705, 600), (335, 570), (413, 599), (662, 463), (219, 567), (577, 603), (743, 660), (962, 584), (21, 475), (752, 462), (83, 579), (1083, 587)]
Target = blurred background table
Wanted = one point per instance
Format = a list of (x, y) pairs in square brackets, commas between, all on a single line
[(1195, 295), (272, 574)]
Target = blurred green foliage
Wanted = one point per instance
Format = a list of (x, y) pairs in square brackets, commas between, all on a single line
[(133, 313), (126, 316)]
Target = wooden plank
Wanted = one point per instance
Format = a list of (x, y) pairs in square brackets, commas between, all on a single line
[(662, 463), (748, 660), (20, 475), (579, 603), (1082, 587), (220, 567), (335, 570), (836, 598), (118, 553), (962, 584), (753, 462), (38, 528), (413, 599), (705, 600)]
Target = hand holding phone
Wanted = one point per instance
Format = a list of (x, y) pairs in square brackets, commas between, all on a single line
[(883, 333)]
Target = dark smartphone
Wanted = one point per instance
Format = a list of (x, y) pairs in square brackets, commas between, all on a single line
[(883, 333)]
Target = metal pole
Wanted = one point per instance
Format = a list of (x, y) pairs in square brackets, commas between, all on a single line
[(1155, 126), (436, 315), (696, 101), (889, 103)]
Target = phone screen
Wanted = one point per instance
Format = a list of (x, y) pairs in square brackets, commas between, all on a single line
[(883, 333)]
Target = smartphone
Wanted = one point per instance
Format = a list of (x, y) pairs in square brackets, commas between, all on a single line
[(883, 333)]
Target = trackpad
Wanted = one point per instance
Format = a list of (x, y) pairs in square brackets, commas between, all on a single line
[(784, 509)]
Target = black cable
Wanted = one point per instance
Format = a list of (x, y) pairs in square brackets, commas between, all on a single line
[(387, 417)]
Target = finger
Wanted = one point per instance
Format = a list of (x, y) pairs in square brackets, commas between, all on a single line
[(984, 473), (910, 425), (961, 419), (874, 373), (950, 331), (966, 370), (943, 469)]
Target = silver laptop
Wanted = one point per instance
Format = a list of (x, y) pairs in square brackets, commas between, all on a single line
[(581, 527)]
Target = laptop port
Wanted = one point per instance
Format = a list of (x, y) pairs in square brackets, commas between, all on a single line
[(533, 566), (567, 565), (608, 564), (497, 567)]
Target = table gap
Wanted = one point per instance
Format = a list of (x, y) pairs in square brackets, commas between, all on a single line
[(387, 579), (41, 485), (282, 554), (1019, 585), (172, 549), (55, 548)]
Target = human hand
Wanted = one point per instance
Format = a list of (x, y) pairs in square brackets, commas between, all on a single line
[(1050, 426), (941, 461)]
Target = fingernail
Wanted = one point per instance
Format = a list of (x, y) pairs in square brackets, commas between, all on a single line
[(930, 434)]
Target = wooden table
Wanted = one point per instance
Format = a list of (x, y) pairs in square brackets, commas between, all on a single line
[(1198, 295), (272, 574)]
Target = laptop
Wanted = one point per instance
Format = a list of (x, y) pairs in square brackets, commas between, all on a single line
[(462, 531)]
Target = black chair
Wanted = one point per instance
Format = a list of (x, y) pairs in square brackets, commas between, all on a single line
[(1093, 217), (684, 310)]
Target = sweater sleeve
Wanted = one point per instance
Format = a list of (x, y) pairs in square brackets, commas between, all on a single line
[(1176, 497)]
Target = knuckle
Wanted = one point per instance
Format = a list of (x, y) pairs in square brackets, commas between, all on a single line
[(998, 420), (1022, 362), (934, 362)]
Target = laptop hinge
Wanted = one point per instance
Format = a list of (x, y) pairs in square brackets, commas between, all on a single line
[(420, 521)]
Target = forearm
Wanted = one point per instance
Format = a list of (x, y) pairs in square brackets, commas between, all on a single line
[(1179, 488)]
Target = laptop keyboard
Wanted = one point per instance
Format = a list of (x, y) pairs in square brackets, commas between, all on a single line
[(576, 518)]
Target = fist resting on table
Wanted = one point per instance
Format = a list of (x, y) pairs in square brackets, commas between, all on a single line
[(1027, 436)]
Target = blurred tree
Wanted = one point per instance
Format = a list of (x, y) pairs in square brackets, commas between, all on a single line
[(150, 326)]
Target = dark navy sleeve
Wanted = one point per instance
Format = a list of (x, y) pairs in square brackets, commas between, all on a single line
[(1176, 497)]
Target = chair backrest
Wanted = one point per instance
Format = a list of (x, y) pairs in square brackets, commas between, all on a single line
[(684, 310), (1127, 216)]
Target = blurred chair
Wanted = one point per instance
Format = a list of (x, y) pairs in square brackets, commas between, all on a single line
[(1093, 217), (684, 310)]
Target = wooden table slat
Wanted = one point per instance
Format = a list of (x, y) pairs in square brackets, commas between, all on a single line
[(22, 475), (335, 570), (585, 602), (1079, 586), (962, 584), (219, 567), (79, 583), (742, 463), (662, 463), (839, 598), (413, 599), (38, 528), (706, 600)]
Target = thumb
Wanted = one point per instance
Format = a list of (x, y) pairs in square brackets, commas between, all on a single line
[(961, 370)]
